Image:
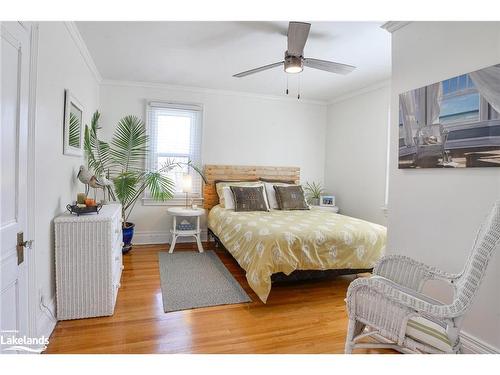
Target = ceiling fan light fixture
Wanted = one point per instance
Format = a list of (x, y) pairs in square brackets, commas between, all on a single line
[(293, 64)]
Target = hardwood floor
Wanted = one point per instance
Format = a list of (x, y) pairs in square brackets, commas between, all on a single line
[(300, 317)]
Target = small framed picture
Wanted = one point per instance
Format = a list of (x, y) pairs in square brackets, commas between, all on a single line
[(327, 200), (73, 128)]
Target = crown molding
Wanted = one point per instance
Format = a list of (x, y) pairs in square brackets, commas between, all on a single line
[(201, 90), (82, 47), (392, 26), (364, 90)]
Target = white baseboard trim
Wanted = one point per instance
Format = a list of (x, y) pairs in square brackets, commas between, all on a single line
[(45, 323), (473, 345), (161, 237)]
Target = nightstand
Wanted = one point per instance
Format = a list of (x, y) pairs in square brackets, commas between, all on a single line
[(177, 232), (333, 209)]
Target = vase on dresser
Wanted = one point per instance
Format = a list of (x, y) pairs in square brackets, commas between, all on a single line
[(88, 253)]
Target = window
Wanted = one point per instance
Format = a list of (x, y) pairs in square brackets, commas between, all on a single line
[(175, 133), (460, 101)]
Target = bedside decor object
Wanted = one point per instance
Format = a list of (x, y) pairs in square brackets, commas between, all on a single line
[(81, 209), (313, 192), (327, 200), (72, 129), (80, 198), (185, 225), (187, 186), (178, 231), (123, 162), (89, 202), (91, 181), (88, 254)]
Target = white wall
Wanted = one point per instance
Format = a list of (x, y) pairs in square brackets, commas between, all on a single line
[(356, 153), (60, 66), (434, 213), (237, 129)]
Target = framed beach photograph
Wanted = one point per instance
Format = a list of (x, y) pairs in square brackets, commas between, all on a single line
[(454, 123), (327, 200), (73, 128)]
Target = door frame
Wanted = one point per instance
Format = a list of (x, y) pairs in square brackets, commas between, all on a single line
[(30, 255)]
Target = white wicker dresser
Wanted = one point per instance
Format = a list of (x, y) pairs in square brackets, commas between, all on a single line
[(88, 263)]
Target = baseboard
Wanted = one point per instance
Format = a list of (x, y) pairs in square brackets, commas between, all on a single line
[(161, 237), (473, 345), (45, 323)]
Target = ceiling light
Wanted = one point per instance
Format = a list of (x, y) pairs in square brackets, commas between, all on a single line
[(293, 64)]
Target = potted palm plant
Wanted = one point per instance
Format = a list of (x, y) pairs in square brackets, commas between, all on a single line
[(122, 161)]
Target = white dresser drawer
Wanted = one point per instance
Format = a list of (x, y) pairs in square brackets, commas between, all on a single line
[(116, 229), (117, 242), (117, 263)]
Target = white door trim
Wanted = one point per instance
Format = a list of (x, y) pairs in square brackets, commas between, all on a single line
[(33, 298)]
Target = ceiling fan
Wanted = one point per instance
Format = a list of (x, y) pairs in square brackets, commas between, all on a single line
[(294, 60)]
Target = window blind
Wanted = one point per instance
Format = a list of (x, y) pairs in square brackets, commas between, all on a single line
[(175, 134)]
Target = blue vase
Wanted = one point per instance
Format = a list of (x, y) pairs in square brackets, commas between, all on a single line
[(128, 234)]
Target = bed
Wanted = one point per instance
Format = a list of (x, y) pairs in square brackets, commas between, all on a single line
[(268, 243)]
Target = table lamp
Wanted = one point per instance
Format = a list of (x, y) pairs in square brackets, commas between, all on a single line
[(187, 185)]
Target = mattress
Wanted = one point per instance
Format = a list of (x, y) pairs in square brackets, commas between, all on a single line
[(265, 243)]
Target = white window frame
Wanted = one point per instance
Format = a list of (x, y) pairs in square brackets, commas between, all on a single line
[(179, 199), (484, 107)]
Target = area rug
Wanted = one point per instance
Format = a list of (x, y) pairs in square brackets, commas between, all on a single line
[(191, 279)]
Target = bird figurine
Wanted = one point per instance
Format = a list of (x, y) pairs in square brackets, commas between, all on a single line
[(87, 178)]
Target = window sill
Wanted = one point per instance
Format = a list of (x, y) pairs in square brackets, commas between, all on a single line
[(171, 202)]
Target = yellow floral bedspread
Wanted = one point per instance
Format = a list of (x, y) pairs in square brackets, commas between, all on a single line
[(264, 243)]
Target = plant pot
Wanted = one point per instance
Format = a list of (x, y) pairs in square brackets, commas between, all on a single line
[(128, 234), (314, 201)]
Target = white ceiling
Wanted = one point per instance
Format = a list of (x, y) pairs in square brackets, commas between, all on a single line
[(207, 54)]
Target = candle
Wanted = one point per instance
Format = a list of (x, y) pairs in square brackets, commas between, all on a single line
[(90, 202), (80, 198)]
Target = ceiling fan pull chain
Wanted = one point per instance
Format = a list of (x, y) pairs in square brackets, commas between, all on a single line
[(298, 91), (286, 84)]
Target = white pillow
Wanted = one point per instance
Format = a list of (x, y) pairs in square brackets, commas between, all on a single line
[(271, 194), (228, 198)]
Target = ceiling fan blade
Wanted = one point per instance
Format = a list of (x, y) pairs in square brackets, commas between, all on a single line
[(297, 37), (329, 66), (257, 70)]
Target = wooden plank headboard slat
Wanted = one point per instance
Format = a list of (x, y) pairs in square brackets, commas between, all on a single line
[(242, 172)]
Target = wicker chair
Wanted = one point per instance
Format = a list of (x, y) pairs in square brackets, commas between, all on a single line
[(390, 308)]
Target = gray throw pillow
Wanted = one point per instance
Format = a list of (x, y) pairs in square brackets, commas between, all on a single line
[(290, 197), (249, 198)]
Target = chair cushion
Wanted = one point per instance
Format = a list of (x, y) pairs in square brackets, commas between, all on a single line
[(430, 333)]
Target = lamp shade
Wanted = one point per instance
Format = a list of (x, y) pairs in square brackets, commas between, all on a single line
[(187, 183)]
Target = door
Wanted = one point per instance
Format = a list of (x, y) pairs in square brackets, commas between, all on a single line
[(14, 95)]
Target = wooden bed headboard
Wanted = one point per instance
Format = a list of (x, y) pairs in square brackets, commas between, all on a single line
[(242, 172)]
